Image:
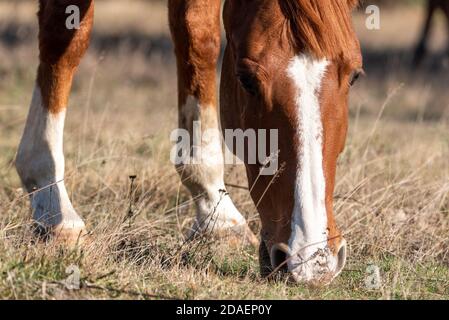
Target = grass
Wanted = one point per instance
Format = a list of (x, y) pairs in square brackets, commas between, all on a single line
[(392, 195)]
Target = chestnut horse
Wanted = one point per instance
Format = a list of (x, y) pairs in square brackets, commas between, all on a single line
[(288, 66)]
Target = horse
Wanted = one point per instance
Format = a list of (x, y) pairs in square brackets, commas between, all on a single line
[(432, 7), (288, 66)]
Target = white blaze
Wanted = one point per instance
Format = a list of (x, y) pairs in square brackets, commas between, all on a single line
[(309, 221)]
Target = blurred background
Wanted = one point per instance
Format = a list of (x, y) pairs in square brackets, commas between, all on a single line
[(392, 196), (140, 29)]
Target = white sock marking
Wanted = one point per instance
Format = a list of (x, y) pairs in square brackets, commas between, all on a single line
[(40, 164), (214, 208)]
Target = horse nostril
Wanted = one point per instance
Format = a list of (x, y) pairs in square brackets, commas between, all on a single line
[(280, 253)]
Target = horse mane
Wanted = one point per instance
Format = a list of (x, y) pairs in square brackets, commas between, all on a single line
[(322, 27)]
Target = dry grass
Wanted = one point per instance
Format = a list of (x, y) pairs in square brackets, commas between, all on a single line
[(392, 193)]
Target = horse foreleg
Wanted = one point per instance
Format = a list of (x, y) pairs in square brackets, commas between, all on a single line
[(195, 29), (40, 158)]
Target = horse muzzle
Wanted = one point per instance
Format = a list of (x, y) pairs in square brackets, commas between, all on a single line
[(317, 268)]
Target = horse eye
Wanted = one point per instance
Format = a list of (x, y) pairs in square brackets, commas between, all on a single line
[(249, 83), (355, 75)]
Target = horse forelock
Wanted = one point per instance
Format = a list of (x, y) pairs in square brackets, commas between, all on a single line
[(321, 27)]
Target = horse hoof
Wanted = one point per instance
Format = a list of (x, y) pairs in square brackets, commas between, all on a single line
[(66, 235), (250, 237), (236, 236), (70, 237), (240, 236)]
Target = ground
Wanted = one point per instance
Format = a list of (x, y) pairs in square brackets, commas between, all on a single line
[(392, 195)]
